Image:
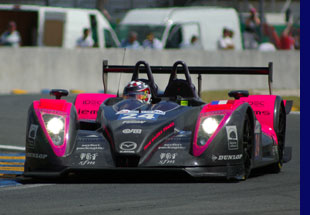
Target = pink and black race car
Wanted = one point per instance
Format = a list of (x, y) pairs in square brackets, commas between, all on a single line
[(177, 132)]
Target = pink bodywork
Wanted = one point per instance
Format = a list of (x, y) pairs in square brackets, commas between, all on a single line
[(209, 110), (58, 108), (87, 104), (262, 105)]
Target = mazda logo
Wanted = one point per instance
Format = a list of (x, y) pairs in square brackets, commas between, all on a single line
[(128, 146)]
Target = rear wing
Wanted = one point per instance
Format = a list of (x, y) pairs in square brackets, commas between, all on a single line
[(192, 70)]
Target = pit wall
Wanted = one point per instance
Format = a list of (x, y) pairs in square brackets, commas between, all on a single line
[(34, 69)]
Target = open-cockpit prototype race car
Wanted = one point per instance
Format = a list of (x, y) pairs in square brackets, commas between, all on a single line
[(176, 131)]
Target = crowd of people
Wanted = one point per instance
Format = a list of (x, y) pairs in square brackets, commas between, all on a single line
[(289, 39)]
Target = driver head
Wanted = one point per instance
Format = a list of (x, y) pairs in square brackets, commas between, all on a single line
[(138, 90)]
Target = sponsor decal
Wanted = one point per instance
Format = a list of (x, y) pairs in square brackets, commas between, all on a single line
[(89, 147), (222, 102), (132, 131), (214, 158), (91, 112), (33, 131), (256, 103), (180, 139), (158, 134), (226, 157), (32, 135), (88, 159), (148, 115), (167, 158), (89, 140), (128, 147), (133, 122), (36, 155), (232, 137), (92, 102), (49, 111), (172, 146)]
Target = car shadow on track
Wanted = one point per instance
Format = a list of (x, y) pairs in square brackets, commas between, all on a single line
[(89, 178)]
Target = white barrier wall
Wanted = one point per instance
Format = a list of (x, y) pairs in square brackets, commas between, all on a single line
[(34, 69)]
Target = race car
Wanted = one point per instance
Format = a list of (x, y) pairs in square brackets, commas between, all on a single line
[(170, 131)]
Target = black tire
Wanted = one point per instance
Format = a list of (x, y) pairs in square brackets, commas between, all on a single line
[(247, 143), (280, 128)]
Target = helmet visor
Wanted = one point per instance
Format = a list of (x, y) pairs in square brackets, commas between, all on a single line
[(137, 95)]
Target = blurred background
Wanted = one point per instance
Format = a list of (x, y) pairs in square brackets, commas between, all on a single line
[(274, 17), (48, 44)]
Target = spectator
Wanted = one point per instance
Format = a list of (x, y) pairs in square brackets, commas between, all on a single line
[(250, 34), (151, 42), (11, 37), (226, 41), (131, 42), (296, 35), (194, 43), (287, 40), (86, 40)]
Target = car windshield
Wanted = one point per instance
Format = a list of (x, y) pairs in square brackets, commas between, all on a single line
[(165, 106), (142, 31), (128, 104)]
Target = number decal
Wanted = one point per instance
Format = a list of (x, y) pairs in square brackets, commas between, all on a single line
[(129, 116), (147, 116), (138, 116)]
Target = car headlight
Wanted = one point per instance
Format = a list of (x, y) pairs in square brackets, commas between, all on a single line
[(207, 127), (55, 126)]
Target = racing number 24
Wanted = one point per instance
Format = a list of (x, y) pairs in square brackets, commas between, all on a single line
[(138, 116)]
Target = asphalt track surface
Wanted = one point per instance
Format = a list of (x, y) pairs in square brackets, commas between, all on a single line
[(263, 194)]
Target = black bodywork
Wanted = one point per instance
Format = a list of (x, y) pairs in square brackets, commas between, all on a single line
[(128, 135)]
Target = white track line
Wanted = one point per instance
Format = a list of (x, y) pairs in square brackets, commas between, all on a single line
[(295, 112), (12, 148), (21, 186)]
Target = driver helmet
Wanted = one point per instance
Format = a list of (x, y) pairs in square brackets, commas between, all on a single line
[(138, 90)]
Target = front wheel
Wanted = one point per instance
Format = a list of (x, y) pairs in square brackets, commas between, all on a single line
[(280, 131), (247, 143)]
